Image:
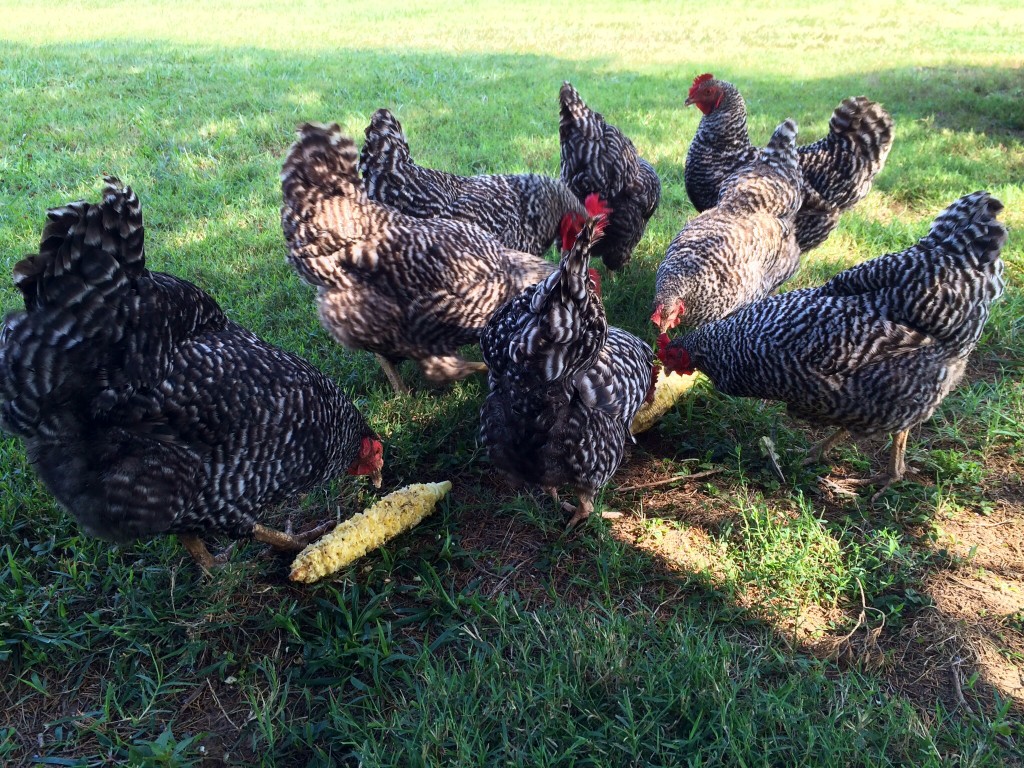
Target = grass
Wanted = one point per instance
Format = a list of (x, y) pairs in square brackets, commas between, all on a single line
[(739, 620)]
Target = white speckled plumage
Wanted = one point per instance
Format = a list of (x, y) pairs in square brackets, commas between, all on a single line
[(597, 158), (838, 170), (564, 387), (878, 347), (143, 408), (389, 283), (742, 249), (522, 211)]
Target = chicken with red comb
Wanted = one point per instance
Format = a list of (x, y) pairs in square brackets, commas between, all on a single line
[(563, 385), (875, 349), (837, 171)]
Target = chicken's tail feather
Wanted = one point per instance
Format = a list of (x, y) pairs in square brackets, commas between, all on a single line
[(969, 227), (84, 248), (76, 297), (384, 151), (781, 149), (866, 124), (572, 105), (321, 163), (568, 327)]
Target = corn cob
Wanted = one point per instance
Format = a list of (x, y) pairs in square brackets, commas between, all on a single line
[(367, 530), (667, 390)]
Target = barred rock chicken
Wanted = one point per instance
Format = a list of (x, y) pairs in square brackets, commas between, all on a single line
[(838, 170), (598, 158), (522, 211), (392, 284), (564, 387), (144, 409), (739, 251), (875, 349)]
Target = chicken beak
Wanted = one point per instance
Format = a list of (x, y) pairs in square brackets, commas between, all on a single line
[(689, 102), (376, 477)]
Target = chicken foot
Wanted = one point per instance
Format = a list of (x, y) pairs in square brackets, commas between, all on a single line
[(285, 541), (201, 554), (441, 368)]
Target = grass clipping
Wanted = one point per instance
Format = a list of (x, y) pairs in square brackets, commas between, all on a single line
[(367, 530), (667, 390)]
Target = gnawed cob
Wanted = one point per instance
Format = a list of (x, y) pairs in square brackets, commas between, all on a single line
[(667, 390), (367, 530)]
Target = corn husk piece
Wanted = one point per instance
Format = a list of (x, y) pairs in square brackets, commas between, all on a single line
[(365, 531), (667, 390)]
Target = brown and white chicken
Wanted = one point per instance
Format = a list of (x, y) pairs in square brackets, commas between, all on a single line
[(739, 251), (392, 284), (522, 211), (597, 158), (874, 350), (564, 386), (144, 409), (838, 170)]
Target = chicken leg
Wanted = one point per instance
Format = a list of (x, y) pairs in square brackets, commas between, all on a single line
[(391, 371)]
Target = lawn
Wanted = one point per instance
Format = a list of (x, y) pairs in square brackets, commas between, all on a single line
[(744, 618)]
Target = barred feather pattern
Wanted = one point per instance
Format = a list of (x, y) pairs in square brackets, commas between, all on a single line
[(742, 249), (878, 347), (522, 211), (564, 387), (389, 283), (145, 410), (838, 170), (598, 158)]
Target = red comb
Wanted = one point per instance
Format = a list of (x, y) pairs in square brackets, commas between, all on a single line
[(570, 228), (698, 80), (596, 206)]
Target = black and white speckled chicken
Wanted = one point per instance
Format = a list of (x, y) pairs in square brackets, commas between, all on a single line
[(739, 251), (838, 170), (144, 409), (597, 158), (389, 283), (875, 349), (521, 210), (564, 387)]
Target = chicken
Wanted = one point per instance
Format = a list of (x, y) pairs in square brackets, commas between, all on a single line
[(392, 284), (598, 158), (875, 349), (838, 170), (522, 211), (144, 409), (739, 251), (564, 387)]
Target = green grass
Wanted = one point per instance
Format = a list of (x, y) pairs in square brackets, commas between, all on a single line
[(486, 637)]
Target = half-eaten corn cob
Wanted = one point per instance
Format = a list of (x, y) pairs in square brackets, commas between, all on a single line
[(667, 390), (367, 530)]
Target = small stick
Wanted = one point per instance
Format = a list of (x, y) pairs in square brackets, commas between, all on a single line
[(673, 479)]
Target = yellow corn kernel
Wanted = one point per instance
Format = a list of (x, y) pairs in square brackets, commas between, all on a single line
[(367, 530), (667, 390)]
